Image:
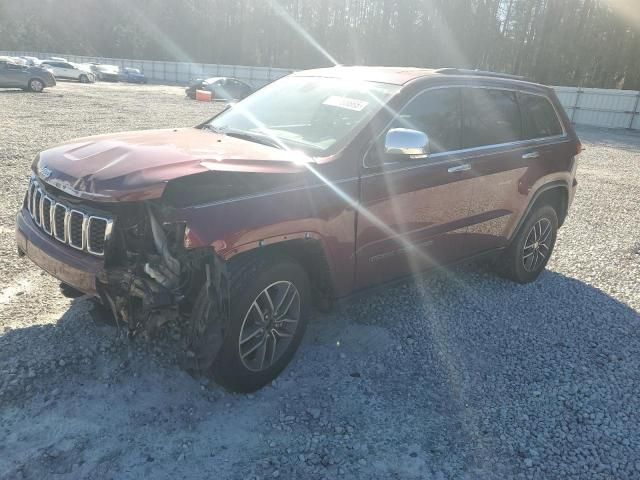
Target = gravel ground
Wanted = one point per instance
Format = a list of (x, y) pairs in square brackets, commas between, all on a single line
[(460, 375)]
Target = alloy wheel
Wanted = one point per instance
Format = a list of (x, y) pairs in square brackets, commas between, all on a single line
[(537, 245), (36, 85), (269, 325)]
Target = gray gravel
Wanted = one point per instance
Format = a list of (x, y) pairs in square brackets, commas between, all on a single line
[(460, 375)]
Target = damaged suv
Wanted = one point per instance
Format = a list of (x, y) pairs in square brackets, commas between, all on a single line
[(322, 183)]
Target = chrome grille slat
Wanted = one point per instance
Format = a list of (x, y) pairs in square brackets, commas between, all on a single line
[(73, 227), (60, 216), (37, 207), (45, 213)]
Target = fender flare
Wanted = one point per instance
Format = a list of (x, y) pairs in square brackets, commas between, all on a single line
[(534, 198)]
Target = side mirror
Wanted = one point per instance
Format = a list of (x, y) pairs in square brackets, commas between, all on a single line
[(404, 141)]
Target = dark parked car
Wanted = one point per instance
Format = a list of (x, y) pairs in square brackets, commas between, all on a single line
[(132, 75), (320, 184), (222, 88), (35, 79)]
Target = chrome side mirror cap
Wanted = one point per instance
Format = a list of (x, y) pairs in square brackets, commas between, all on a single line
[(408, 142)]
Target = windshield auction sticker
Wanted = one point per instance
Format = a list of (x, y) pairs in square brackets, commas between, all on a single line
[(344, 102)]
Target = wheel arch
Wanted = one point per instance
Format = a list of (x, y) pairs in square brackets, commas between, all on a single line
[(309, 252), (555, 194)]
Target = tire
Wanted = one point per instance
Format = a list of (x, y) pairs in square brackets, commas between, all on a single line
[(237, 364), (83, 78), (527, 255), (36, 85)]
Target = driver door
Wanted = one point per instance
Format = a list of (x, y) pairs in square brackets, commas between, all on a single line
[(415, 211)]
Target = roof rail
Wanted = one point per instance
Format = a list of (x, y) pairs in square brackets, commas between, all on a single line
[(478, 73)]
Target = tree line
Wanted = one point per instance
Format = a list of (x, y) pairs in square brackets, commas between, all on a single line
[(589, 43)]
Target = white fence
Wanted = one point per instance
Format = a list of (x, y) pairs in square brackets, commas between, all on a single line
[(601, 107), (585, 106), (175, 72)]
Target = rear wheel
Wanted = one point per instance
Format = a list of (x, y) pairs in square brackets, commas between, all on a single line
[(84, 78), (268, 316), (530, 250), (36, 85)]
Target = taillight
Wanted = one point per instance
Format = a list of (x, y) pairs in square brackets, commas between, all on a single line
[(579, 147)]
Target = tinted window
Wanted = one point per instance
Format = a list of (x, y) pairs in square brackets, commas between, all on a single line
[(490, 117), (436, 113), (539, 117)]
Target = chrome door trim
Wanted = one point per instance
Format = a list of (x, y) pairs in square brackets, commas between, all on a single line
[(459, 168)]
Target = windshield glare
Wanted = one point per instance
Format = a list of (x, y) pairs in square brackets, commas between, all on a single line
[(307, 113)]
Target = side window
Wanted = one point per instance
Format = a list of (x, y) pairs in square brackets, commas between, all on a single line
[(539, 118), (490, 117), (436, 113)]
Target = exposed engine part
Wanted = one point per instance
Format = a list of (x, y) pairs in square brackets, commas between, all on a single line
[(167, 273), (209, 327)]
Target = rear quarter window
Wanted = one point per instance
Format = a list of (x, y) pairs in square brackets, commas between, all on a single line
[(539, 118)]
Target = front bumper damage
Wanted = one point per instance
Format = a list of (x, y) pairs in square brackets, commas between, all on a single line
[(162, 284), (144, 288)]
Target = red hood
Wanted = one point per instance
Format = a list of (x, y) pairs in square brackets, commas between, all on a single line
[(137, 165)]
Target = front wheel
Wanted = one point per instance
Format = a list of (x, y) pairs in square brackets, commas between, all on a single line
[(84, 79), (530, 250), (269, 299)]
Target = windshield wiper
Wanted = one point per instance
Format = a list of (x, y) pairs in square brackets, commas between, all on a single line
[(251, 137), (208, 126), (254, 137)]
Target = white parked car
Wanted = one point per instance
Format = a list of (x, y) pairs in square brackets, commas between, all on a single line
[(69, 71), (31, 61)]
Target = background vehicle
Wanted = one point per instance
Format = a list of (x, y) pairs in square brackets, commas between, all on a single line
[(320, 184), (32, 61), (222, 88), (35, 79), (69, 71), (106, 73), (132, 75)]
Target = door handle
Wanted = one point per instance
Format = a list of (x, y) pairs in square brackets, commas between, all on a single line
[(534, 154), (459, 168)]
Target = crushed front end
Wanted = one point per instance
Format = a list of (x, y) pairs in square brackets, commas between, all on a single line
[(126, 254)]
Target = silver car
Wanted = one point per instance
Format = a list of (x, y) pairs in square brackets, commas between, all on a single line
[(35, 79)]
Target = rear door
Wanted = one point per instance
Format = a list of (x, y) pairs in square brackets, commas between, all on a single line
[(507, 161), (414, 212), (67, 70), (18, 75)]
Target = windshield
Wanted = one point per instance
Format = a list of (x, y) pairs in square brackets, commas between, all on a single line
[(309, 113)]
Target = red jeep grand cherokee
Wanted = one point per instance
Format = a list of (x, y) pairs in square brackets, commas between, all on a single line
[(322, 183)]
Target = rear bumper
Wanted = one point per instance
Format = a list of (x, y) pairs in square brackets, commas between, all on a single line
[(73, 268)]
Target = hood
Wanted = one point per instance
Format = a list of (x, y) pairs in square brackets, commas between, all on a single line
[(137, 165)]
